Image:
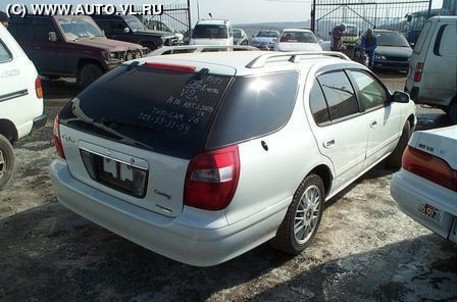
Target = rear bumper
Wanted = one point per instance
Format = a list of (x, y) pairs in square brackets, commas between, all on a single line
[(184, 238), (412, 193), (39, 122), (392, 65)]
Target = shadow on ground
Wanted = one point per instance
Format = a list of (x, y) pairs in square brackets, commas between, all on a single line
[(50, 254)]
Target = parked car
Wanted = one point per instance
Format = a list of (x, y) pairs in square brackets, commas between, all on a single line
[(432, 75), (426, 186), (157, 25), (129, 28), (21, 101), (265, 39), (297, 40), (72, 46), (212, 32), (240, 37), (201, 157), (169, 50), (393, 51), (352, 35)]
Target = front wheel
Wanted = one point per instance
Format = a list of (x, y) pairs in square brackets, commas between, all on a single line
[(394, 159), (303, 217), (89, 73), (6, 161)]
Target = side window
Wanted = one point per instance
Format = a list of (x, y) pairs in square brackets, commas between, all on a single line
[(118, 26), (318, 105), (371, 93), (41, 29), (448, 45), (105, 25), (5, 55), (339, 94)]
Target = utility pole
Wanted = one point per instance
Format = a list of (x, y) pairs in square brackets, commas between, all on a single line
[(189, 19)]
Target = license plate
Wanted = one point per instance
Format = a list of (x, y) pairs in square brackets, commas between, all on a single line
[(115, 174), (430, 211)]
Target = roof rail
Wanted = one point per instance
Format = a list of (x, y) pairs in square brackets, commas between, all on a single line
[(261, 60), (201, 48)]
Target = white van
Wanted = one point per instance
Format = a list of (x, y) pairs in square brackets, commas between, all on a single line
[(21, 100), (433, 66), (212, 32)]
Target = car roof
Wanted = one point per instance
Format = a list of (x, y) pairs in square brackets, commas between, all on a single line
[(385, 31), (250, 62), (297, 30), (212, 21)]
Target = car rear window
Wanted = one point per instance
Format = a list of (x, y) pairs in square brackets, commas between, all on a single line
[(166, 110), (255, 106)]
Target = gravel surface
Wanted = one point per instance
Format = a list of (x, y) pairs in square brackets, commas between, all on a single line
[(366, 248)]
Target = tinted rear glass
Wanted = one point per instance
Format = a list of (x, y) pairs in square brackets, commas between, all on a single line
[(168, 111), (210, 32), (254, 107)]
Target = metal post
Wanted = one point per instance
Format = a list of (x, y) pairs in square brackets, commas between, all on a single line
[(313, 16), (429, 8), (188, 16)]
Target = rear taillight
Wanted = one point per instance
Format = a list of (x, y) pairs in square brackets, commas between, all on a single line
[(38, 88), (212, 179), (418, 72), (430, 167), (57, 139)]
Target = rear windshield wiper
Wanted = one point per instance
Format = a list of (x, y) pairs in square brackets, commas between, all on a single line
[(76, 109), (118, 122)]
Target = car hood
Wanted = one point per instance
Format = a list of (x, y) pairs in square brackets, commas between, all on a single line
[(299, 47), (223, 42), (394, 51), (107, 44), (155, 33), (264, 40)]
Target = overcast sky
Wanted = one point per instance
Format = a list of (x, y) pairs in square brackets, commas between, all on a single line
[(238, 11)]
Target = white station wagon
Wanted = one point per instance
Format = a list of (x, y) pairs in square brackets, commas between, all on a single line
[(201, 157)]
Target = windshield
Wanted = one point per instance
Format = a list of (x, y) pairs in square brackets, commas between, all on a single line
[(205, 31), (298, 37), (237, 33), (352, 30), (164, 110), (267, 34), (79, 27), (391, 39), (134, 23)]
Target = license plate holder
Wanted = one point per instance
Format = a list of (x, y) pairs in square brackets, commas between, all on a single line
[(117, 175)]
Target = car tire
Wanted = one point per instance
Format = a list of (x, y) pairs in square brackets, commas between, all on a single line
[(7, 161), (303, 217), (394, 159), (452, 112), (89, 73)]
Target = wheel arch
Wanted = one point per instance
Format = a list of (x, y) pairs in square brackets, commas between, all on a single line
[(324, 172), (8, 130), (86, 61)]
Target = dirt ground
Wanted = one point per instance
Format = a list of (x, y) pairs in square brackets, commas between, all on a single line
[(366, 248)]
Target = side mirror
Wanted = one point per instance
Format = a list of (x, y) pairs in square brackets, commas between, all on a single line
[(52, 36), (126, 30), (275, 40), (409, 18), (400, 97)]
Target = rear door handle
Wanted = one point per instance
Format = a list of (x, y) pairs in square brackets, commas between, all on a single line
[(329, 144), (373, 124)]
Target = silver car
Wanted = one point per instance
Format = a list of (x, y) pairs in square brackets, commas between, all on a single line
[(201, 157)]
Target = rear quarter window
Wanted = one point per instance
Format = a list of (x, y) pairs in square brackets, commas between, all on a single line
[(254, 107)]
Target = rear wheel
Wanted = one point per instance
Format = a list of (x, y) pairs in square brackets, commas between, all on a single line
[(6, 161), (89, 73), (394, 159), (303, 217)]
